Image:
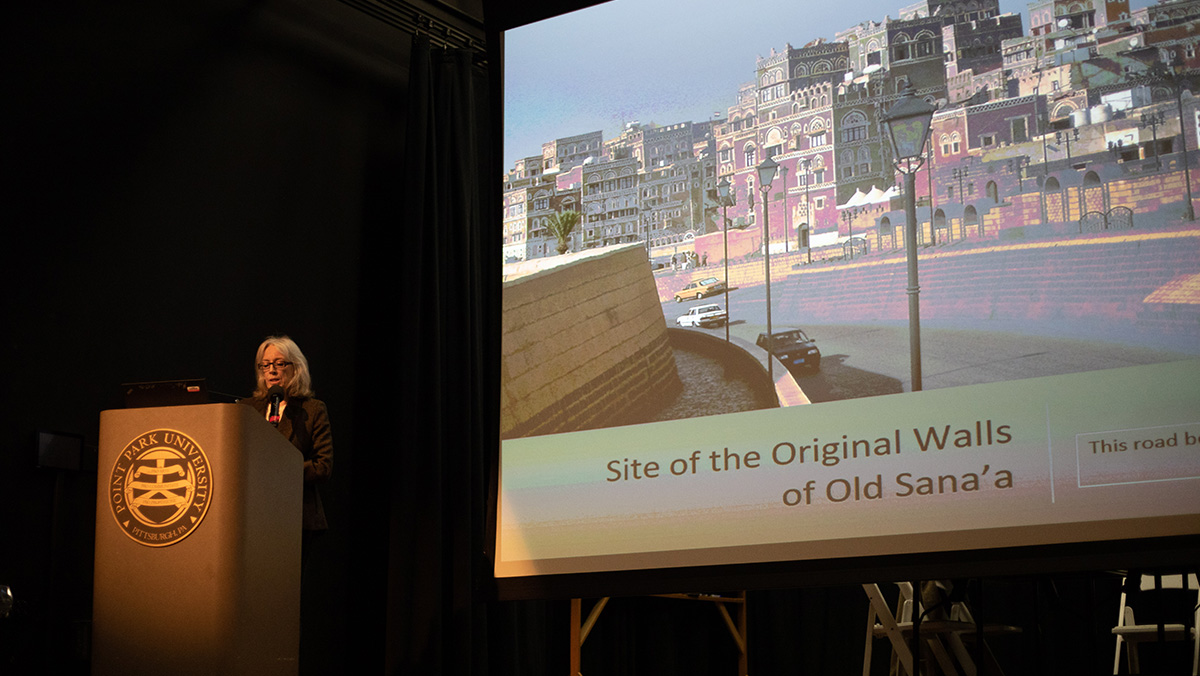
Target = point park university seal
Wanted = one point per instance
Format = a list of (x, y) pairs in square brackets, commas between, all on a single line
[(160, 487)]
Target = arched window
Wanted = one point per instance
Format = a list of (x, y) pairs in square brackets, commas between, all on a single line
[(816, 134), (970, 216), (1063, 109), (854, 127), (1052, 185), (847, 162), (926, 42), (993, 192), (864, 161), (751, 154)]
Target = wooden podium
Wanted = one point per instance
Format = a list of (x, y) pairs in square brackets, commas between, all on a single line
[(198, 523)]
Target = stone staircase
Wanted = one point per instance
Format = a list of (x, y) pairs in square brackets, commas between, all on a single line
[(1151, 281)]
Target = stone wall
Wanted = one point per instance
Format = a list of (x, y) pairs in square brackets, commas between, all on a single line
[(584, 343)]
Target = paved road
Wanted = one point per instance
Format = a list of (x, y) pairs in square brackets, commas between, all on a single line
[(873, 359)]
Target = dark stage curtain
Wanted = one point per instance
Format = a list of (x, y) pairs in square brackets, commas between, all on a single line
[(437, 273)]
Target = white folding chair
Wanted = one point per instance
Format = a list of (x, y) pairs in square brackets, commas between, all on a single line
[(943, 638), (1130, 633)]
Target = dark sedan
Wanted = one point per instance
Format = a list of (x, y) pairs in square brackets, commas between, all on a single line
[(793, 348)]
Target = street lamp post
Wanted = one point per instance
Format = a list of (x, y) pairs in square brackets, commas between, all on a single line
[(646, 233), (1066, 137), (853, 213), (1153, 121), (1018, 167), (727, 199), (807, 164), (908, 124), (1042, 131), (1175, 70), (1117, 148), (929, 174), (961, 175), (787, 225), (1037, 119), (848, 218), (766, 174)]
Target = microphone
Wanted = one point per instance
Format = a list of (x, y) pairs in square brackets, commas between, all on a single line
[(276, 395)]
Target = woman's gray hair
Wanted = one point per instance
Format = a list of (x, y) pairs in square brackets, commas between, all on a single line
[(300, 384)]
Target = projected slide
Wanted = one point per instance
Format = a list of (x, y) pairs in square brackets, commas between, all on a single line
[(711, 352)]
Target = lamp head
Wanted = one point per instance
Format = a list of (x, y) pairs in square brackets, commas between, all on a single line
[(766, 173), (908, 124)]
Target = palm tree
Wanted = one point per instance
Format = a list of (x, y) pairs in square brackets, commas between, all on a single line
[(561, 224)]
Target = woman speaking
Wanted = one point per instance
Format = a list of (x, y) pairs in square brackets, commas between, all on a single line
[(284, 396)]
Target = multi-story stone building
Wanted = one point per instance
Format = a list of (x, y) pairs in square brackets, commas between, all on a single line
[(889, 55), (866, 43), (514, 224), (657, 147), (526, 167), (564, 153), (915, 52), (610, 202), (1050, 16), (793, 103), (811, 195), (542, 201), (670, 209), (1167, 12), (528, 202), (1020, 56), (859, 146), (975, 46), (737, 146), (953, 11)]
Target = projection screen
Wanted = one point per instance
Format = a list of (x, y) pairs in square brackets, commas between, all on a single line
[(1045, 388)]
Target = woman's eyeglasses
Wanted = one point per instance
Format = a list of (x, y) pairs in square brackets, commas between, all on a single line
[(277, 365)]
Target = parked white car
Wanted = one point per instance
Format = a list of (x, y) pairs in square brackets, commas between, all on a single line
[(703, 315)]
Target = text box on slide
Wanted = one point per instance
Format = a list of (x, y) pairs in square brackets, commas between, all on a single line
[(1148, 454)]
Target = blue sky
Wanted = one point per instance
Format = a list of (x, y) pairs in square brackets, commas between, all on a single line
[(661, 61)]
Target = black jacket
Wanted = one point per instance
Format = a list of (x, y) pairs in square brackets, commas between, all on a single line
[(305, 423)]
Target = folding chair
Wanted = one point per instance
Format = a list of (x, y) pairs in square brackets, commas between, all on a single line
[(943, 638), (1130, 633)]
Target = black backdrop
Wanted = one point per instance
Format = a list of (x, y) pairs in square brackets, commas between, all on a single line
[(180, 180)]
